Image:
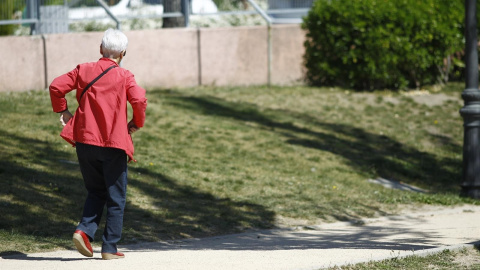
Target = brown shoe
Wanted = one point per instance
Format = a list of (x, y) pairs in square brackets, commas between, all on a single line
[(82, 243), (111, 256)]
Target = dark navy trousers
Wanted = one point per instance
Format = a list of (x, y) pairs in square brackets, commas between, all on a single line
[(104, 172)]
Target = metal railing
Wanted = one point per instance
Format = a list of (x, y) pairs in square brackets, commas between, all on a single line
[(60, 16)]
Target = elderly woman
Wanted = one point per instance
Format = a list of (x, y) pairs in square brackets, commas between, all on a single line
[(101, 134)]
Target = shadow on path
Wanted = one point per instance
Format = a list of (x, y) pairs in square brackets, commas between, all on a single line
[(398, 237)]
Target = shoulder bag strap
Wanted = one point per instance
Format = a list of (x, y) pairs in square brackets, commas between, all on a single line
[(96, 79)]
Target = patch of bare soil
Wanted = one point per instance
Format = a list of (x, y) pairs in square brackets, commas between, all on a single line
[(468, 258), (426, 98)]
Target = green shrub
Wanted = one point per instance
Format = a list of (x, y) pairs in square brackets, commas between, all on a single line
[(7, 10), (371, 44)]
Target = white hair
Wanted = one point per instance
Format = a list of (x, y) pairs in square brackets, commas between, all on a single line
[(113, 43)]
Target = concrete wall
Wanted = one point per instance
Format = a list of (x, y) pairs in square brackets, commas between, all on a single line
[(65, 51), (287, 58), (22, 65), (161, 58), (237, 57)]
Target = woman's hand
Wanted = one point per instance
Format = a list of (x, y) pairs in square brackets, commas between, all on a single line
[(65, 116), (132, 127)]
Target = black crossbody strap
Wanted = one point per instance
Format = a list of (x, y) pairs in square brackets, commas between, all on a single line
[(96, 79)]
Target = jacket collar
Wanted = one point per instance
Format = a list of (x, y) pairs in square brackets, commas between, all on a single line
[(108, 60)]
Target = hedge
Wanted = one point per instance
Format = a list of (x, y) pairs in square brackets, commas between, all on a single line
[(375, 44)]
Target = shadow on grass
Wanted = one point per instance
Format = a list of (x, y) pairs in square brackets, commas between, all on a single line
[(176, 211), (41, 201), (39, 196), (365, 151)]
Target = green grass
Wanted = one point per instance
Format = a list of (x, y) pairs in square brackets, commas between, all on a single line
[(445, 260), (223, 160)]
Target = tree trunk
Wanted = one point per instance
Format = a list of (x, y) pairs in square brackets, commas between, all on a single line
[(173, 6)]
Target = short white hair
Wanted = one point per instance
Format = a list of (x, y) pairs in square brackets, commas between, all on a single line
[(113, 43)]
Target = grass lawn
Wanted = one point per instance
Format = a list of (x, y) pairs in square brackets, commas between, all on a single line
[(446, 260), (223, 160)]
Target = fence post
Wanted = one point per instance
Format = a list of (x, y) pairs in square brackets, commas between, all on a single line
[(33, 13), (186, 12)]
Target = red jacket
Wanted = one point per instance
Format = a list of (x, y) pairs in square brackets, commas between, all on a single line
[(101, 118)]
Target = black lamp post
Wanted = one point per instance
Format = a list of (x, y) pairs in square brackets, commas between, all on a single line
[(471, 111)]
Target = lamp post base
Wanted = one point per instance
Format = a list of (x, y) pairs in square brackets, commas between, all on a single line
[(471, 143), (470, 192)]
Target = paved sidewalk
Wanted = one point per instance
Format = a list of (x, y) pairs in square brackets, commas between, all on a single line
[(314, 247)]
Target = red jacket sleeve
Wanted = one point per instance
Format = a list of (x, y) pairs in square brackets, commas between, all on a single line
[(59, 87), (136, 98)]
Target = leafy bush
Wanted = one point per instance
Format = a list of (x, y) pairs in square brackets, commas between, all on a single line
[(229, 4), (7, 12), (371, 44), (86, 3)]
